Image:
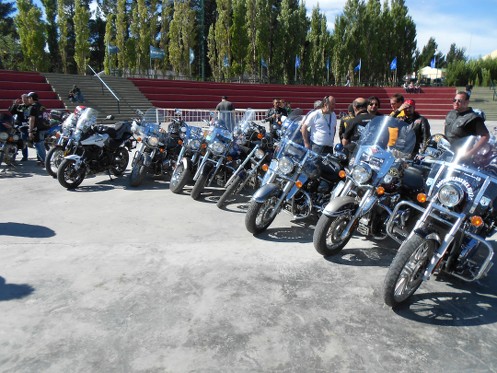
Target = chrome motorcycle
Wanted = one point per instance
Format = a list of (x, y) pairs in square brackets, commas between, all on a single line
[(378, 177), (298, 181), (10, 143), (63, 146), (458, 215), (98, 148)]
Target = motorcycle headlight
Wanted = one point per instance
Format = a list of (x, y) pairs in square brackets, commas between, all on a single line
[(259, 154), (153, 141), (16, 137), (361, 174), (450, 195), (285, 165), (217, 147), (4, 136), (194, 144)]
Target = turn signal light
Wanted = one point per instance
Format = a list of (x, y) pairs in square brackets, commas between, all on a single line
[(57, 135), (229, 158), (476, 221), (380, 191), (162, 150), (204, 146), (421, 197), (265, 167), (138, 139), (260, 136), (180, 142), (342, 174), (298, 184)]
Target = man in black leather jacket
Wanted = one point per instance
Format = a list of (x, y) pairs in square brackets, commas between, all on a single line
[(419, 125)]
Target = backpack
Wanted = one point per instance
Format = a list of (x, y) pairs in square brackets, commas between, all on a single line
[(43, 120)]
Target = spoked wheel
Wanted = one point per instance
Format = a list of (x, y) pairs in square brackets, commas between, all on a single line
[(199, 186), (137, 174), (406, 271), (258, 217), (121, 159), (53, 159), (180, 177), (68, 176), (234, 189), (327, 235)]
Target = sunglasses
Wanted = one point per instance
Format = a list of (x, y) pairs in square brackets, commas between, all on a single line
[(458, 100), (373, 104)]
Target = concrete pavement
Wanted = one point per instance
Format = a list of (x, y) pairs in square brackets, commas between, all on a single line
[(108, 278)]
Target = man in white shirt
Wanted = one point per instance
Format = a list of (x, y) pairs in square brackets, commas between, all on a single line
[(318, 129)]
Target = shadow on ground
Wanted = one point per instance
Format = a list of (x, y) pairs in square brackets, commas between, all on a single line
[(14, 291), (25, 230)]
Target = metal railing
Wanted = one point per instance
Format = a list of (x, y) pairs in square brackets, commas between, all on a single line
[(108, 88)]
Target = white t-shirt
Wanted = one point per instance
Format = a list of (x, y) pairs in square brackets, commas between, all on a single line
[(322, 127)]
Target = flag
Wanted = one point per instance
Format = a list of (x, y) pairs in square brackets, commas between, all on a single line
[(297, 61), (358, 67), (263, 63), (157, 53), (112, 49), (192, 55), (226, 62), (433, 63), (393, 64)]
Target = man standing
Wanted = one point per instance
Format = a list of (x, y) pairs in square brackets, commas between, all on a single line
[(225, 112), (36, 131), (20, 109), (318, 129), (355, 126), (463, 121), (419, 125)]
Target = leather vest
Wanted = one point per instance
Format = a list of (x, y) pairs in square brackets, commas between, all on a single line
[(455, 124)]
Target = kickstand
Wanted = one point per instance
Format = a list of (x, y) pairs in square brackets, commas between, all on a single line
[(110, 176)]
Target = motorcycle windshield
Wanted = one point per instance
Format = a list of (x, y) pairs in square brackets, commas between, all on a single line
[(218, 133), (457, 181), (291, 125), (152, 120), (292, 144), (245, 123), (86, 119)]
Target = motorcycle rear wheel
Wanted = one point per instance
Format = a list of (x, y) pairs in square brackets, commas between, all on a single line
[(327, 234), (199, 186), (258, 217), (68, 176), (405, 273), (179, 178), (232, 191), (53, 159), (121, 159), (137, 174)]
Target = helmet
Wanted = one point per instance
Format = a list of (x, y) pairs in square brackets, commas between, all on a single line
[(33, 95), (79, 109)]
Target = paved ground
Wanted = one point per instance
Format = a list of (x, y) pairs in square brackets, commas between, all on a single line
[(108, 278)]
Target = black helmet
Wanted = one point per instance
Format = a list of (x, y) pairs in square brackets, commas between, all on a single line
[(33, 95)]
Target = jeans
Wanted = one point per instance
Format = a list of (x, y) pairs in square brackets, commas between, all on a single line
[(40, 146), (322, 149)]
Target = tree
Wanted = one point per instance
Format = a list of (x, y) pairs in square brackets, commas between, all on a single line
[(318, 41), (63, 24), (9, 47), (121, 34), (219, 41), (82, 32), (51, 28), (31, 34), (182, 37), (455, 54), (239, 37)]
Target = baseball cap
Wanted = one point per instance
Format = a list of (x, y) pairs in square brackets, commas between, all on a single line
[(34, 95), (410, 102)]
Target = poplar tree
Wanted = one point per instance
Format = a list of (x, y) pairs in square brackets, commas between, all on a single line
[(318, 52), (121, 34), (63, 26), (51, 29), (82, 32), (239, 37), (110, 59), (30, 28), (166, 18), (182, 37)]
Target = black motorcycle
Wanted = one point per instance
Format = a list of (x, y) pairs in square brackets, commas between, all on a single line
[(63, 146), (98, 148), (10, 143)]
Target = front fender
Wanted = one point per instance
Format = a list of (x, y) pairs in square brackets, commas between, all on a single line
[(336, 204), (74, 157), (187, 163), (265, 192)]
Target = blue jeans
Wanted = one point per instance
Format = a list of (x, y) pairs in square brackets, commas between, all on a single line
[(40, 146)]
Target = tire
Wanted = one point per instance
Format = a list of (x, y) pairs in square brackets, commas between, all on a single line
[(199, 186), (137, 174), (405, 273), (53, 159), (2, 156), (257, 219), (179, 178), (328, 230), (68, 177), (232, 190), (121, 160)]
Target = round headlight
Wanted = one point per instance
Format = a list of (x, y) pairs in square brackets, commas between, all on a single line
[(4, 136), (259, 154), (16, 137), (285, 165), (153, 141), (194, 144), (450, 195), (361, 174), (217, 147)]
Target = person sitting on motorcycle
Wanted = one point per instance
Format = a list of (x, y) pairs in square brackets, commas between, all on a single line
[(462, 121), (419, 125), (318, 128), (355, 125)]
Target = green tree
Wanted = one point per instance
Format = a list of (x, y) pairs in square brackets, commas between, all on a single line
[(82, 32), (219, 41), (63, 25), (51, 29), (318, 53), (121, 34), (110, 59), (455, 54), (239, 37), (31, 28), (9, 48), (263, 34), (165, 21), (182, 37)]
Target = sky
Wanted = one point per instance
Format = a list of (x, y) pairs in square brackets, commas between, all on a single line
[(471, 25)]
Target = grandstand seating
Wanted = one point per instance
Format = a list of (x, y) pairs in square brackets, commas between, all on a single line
[(432, 102), (14, 83)]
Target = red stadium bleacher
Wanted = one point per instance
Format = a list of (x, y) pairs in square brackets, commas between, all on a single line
[(14, 83), (432, 102)]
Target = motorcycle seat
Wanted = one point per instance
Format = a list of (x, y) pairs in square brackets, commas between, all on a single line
[(116, 131)]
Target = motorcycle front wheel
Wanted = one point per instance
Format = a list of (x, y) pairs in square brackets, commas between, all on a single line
[(405, 273), (258, 217), (53, 159), (121, 159), (199, 186), (180, 177), (232, 191), (137, 174), (327, 234), (68, 176)]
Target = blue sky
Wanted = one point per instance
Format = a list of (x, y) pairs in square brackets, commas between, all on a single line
[(469, 24)]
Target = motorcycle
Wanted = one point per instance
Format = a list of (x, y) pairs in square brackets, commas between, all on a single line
[(158, 149), (55, 120), (192, 149), (98, 148), (458, 214), (10, 143), (259, 146), (63, 146), (378, 177), (298, 180)]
